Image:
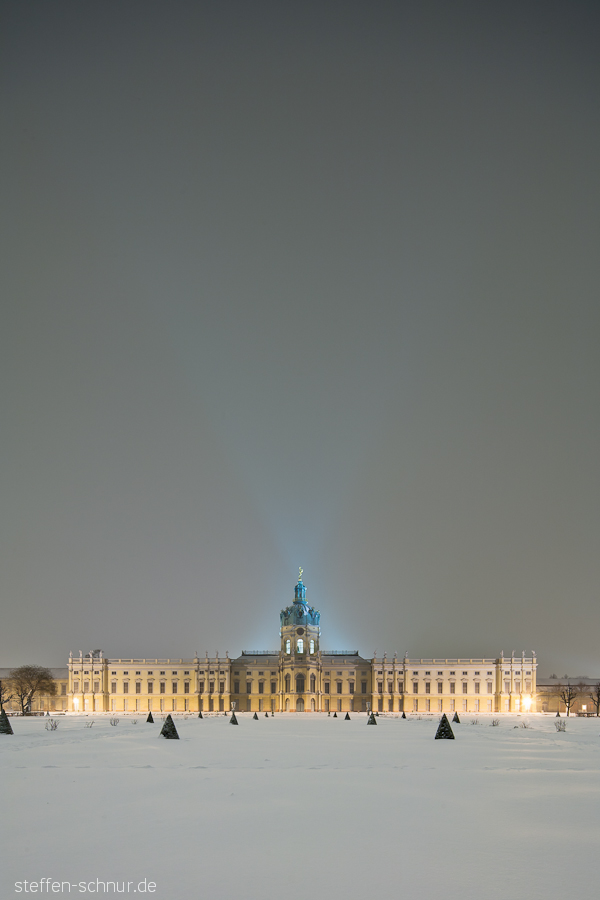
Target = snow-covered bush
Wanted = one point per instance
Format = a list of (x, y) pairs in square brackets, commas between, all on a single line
[(560, 725), (114, 721), (51, 724), (495, 722)]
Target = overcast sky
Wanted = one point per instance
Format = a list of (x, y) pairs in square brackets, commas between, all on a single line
[(300, 284)]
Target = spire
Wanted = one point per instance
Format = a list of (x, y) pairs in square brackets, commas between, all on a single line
[(300, 589)]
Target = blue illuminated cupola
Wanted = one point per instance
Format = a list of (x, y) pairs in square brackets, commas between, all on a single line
[(300, 613)]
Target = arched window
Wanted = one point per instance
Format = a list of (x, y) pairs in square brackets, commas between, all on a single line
[(287, 683), (313, 684), (299, 684), (288, 646), (300, 645), (311, 646)]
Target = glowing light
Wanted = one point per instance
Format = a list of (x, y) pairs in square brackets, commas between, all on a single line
[(527, 703)]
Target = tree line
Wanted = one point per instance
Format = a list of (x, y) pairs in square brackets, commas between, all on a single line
[(24, 683)]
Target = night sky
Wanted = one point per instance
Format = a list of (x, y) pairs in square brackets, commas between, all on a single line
[(303, 284)]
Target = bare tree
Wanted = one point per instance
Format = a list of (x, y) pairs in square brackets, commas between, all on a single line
[(27, 681), (568, 693), (594, 696), (6, 692)]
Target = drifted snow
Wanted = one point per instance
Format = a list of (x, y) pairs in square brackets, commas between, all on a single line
[(305, 805)]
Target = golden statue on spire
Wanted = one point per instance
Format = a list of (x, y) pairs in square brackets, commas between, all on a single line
[(300, 571)]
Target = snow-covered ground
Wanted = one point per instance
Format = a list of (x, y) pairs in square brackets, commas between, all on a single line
[(298, 806)]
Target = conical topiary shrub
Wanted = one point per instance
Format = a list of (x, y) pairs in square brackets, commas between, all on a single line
[(444, 730), (150, 719), (403, 716), (200, 716), (372, 720), (255, 717), (168, 730), (266, 715), (347, 717), (456, 719), (233, 720), (5, 726), (335, 715)]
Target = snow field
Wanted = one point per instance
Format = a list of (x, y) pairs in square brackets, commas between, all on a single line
[(298, 804)]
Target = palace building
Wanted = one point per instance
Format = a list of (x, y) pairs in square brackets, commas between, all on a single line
[(299, 677)]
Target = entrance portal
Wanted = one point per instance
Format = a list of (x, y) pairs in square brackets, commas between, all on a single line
[(300, 705)]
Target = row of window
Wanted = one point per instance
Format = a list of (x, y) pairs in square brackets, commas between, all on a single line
[(300, 646)]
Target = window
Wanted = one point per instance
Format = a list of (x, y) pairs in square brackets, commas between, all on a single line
[(440, 673), (476, 687), (489, 673), (300, 684), (507, 687), (274, 685), (163, 673), (63, 690), (261, 687), (465, 687), (390, 687), (440, 687), (452, 687), (138, 687), (476, 673), (221, 687), (174, 687), (465, 673), (363, 687), (351, 686), (489, 687), (518, 687), (76, 687), (138, 673), (86, 672), (415, 673), (453, 673), (527, 685), (380, 687), (326, 687), (211, 687), (427, 687), (173, 673), (96, 686), (150, 687), (288, 646), (300, 645), (428, 673), (113, 673), (236, 687), (248, 687), (150, 672), (125, 687), (163, 687), (415, 687), (338, 673), (400, 685), (311, 646), (187, 672), (186, 687), (287, 683), (339, 687), (86, 686), (125, 673)]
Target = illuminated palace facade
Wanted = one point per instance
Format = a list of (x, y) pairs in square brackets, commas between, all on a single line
[(299, 677)]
